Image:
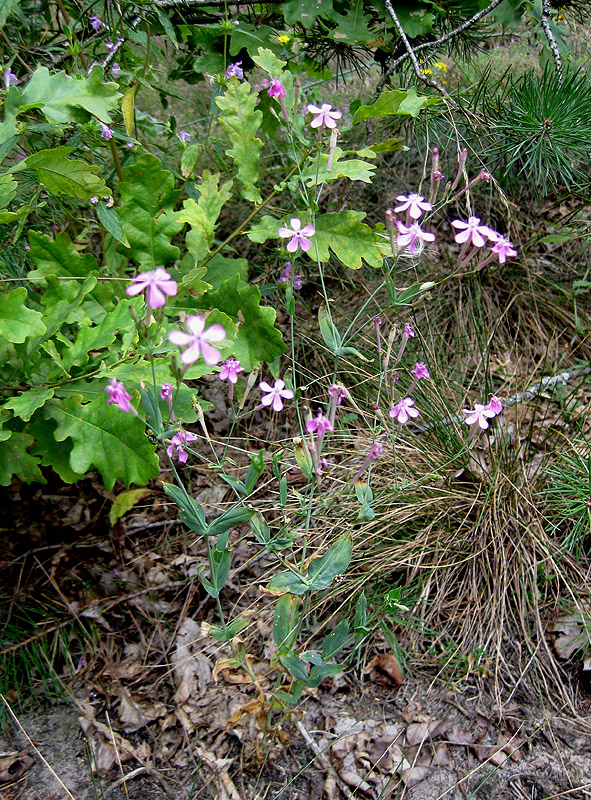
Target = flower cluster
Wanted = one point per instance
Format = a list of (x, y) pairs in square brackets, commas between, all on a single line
[(481, 414)]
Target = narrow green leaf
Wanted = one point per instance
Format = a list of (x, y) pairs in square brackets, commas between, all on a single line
[(322, 571), (286, 621)]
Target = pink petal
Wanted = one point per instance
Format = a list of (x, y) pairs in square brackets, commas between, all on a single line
[(330, 123), (179, 338), (305, 244), (277, 403), (296, 224), (285, 232), (292, 246), (459, 224), (314, 109), (191, 354), (211, 356), (267, 399), (215, 333), (265, 386), (316, 122), (155, 297), (309, 230), (135, 288), (195, 324)]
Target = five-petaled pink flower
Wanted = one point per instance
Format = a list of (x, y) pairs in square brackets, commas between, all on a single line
[(230, 370), (324, 116), (118, 395), (274, 394), (412, 236), (479, 414), (414, 204), (177, 441), (276, 89), (198, 341), (319, 425), (502, 247), (156, 284), (472, 231), (420, 370), (404, 410), (495, 404), (299, 237)]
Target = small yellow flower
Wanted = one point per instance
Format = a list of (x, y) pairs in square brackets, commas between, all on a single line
[(426, 72), (283, 39), (442, 66)]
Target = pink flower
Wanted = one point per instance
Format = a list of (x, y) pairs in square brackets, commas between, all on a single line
[(115, 70), (413, 237), (420, 370), (230, 370), (503, 248), (177, 441), (184, 137), (495, 404), (403, 410), (198, 341), (156, 284), (276, 89), (96, 23), (414, 204), (235, 71), (166, 391), (319, 425), (285, 277), (10, 79), (106, 132), (324, 116), (472, 231), (376, 451), (338, 391), (408, 332), (274, 394), (119, 396), (479, 414), (298, 236)]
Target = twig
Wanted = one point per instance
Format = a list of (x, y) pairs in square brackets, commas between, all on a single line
[(415, 63), (545, 22), (324, 760), (549, 382), (442, 39)]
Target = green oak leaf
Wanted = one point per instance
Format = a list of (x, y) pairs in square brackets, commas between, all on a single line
[(267, 227), (268, 61), (203, 214), (147, 213), (15, 460), (106, 438), (17, 321), (241, 121), (247, 36), (257, 338), (314, 172), (352, 26), (65, 99), (62, 175), (350, 240), (396, 102), (25, 405), (52, 453), (59, 257), (415, 21), (97, 337), (306, 11), (220, 269)]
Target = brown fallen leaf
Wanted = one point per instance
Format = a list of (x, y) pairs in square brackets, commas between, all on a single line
[(418, 732), (14, 765), (383, 667), (136, 712), (410, 777), (192, 669)]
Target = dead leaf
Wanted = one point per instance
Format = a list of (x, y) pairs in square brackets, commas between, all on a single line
[(575, 635), (252, 707), (419, 732), (384, 666), (136, 712), (410, 777), (192, 669), (14, 765)]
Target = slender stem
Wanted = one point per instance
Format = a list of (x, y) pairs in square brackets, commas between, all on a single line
[(116, 160)]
